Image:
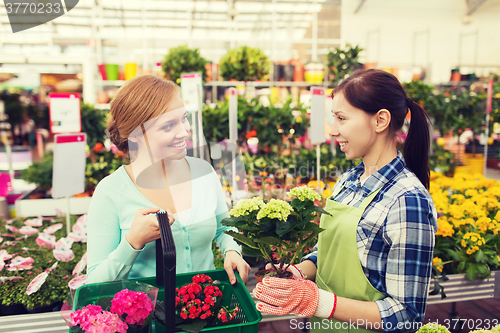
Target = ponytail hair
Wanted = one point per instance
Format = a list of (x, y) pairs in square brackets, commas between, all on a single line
[(417, 143), (372, 90)]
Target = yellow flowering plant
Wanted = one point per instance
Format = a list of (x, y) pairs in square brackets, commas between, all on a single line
[(278, 230), (468, 224)]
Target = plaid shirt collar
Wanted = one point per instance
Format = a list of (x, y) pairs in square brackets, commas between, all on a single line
[(378, 179)]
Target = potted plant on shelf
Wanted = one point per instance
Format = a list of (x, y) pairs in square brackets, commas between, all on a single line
[(183, 60), (342, 62), (39, 173), (93, 123), (244, 64), (280, 231)]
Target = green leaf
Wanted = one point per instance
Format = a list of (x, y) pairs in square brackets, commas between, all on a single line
[(297, 204), (283, 227), (453, 255), (193, 327), (472, 272), (321, 210), (273, 241), (461, 266), (249, 252), (245, 240), (104, 302), (479, 256), (484, 270), (437, 288)]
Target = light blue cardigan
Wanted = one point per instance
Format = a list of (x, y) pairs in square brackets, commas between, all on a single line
[(114, 203)]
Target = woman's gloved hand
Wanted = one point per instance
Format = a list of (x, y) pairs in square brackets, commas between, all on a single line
[(283, 296)]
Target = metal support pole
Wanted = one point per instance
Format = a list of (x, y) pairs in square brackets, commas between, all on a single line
[(145, 60), (314, 54)]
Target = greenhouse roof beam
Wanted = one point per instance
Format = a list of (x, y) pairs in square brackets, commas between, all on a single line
[(473, 5)]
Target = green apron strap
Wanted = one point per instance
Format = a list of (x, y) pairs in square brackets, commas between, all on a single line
[(366, 201)]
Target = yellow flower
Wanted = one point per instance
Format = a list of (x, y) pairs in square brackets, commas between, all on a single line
[(438, 263), (464, 244), (444, 228)]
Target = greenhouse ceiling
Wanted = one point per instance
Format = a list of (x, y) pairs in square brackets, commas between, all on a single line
[(227, 21)]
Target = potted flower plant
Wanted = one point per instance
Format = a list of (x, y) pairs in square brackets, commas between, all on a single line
[(124, 306), (198, 305), (280, 231), (244, 64), (183, 59)]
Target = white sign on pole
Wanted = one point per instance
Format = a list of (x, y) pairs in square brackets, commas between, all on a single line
[(68, 175), (191, 86), (233, 132), (317, 127), (192, 95), (233, 115), (328, 107), (64, 113)]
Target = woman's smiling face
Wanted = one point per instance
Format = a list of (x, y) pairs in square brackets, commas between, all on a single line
[(352, 128), (167, 133)]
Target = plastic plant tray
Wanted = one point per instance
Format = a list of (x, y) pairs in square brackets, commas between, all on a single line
[(246, 321)]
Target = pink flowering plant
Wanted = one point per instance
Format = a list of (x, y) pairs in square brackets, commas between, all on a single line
[(198, 305), (127, 311)]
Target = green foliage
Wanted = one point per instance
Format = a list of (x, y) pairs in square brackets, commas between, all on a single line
[(183, 60), (101, 163), (13, 108), (244, 64), (442, 160), (55, 289), (433, 101), (218, 256), (93, 123), (40, 173), (278, 241), (270, 124), (342, 62)]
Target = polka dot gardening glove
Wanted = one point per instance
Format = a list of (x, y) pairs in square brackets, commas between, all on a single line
[(283, 296)]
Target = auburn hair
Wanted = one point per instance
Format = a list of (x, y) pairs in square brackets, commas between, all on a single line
[(140, 99)]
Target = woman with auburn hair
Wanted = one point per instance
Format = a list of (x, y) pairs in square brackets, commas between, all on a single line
[(372, 265), (149, 122)]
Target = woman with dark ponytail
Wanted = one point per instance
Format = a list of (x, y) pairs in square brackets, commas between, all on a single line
[(372, 265)]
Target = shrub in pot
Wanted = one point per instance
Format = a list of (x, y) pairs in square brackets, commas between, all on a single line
[(183, 60), (244, 64), (342, 62)]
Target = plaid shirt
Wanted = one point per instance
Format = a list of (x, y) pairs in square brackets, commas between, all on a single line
[(395, 239)]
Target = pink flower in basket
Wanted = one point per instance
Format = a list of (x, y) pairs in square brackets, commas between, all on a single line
[(93, 320), (136, 305)]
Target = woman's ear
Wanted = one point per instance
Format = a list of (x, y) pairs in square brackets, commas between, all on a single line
[(383, 120)]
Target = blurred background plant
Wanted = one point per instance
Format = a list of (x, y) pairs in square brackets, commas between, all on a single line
[(183, 60)]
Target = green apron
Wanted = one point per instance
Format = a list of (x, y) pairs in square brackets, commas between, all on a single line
[(339, 267)]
